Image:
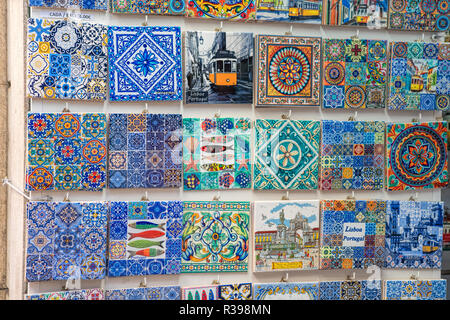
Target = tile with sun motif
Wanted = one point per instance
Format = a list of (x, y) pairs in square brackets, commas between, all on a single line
[(87, 294), (415, 289), (166, 7), (150, 293), (350, 290)]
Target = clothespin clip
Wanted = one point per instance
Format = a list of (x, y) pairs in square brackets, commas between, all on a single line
[(146, 108), (351, 197), (217, 196), (353, 118), (289, 33), (414, 197), (287, 116), (66, 197), (145, 197), (351, 276), (356, 36), (143, 283), (66, 108), (285, 277), (216, 281), (418, 120), (286, 196), (145, 23), (217, 114)]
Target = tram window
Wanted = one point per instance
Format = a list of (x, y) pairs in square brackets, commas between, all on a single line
[(219, 67), (233, 67), (227, 65)]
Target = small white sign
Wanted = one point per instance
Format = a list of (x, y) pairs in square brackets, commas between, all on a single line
[(353, 234), (49, 14)]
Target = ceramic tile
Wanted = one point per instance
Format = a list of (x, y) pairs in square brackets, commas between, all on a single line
[(145, 238), (70, 4), (352, 234), (215, 236), (216, 153), (417, 155), (288, 11), (355, 73), (241, 291), (414, 234), (286, 291), (415, 289), (235, 10), (144, 63), (227, 76), (150, 293), (66, 60), (66, 151), (419, 76), (286, 235), (422, 15), (287, 154), (356, 13), (352, 155), (144, 150), (87, 294), (167, 7), (66, 240), (350, 290), (199, 293), (288, 71)]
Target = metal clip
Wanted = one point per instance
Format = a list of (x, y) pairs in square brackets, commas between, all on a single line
[(351, 277), (145, 197), (356, 36), (289, 33), (66, 108), (351, 197), (287, 116), (143, 284), (286, 196), (217, 196), (414, 197), (285, 277), (146, 108), (418, 120), (216, 281), (217, 114), (353, 118), (415, 276), (66, 197), (220, 28), (145, 23)]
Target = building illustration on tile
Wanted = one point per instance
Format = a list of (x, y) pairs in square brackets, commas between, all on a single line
[(66, 151), (200, 293), (229, 10), (66, 4), (219, 67), (215, 236), (145, 150), (286, 291), (66, 60), (289, 71), (355, 73), (415, 289), (352, 155), (292, 11), (355, 13), (286, 235), (421, 15), (350, 290), (419, 76), (87, 294), (241, 291), (145, 238), (150, 293), (66, 240), (352, 234), (216, 153), (144, 63), (287, 154), (167, 7), (417, 155), (414, 234)]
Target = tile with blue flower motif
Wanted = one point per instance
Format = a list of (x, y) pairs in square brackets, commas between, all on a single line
[(70, 4), (350, 290), (415, 289), (286, 291), (150, 293), (87, 294), (240, 291)]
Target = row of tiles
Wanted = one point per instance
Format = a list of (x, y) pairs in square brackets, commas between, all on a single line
[(324, 290), (91, 62), (406, 15), (90, 240), (70, 151)]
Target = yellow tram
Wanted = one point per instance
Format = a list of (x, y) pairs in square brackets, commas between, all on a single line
[(307, 9), (222, 69)]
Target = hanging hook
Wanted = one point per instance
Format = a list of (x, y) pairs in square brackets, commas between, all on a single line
[(356, 36), (286, 116), (353, 118), (285, 277), (351, 276), (145, 197), (414, 197), (415, 276), (217, 114), (145, 23), (146, 108), (418, 119), (66, 108), (143, 283), (66, 197), (289, 33), (220, 28), (216, 281), (352, 196), (286, 196), (217, 196)]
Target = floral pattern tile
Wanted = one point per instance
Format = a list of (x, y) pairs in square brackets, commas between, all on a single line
[(240, 291), (150, 293), (415, 289), (166, 7), (350, 290), (87, 294), (70, 4), (286, 291), (236, 10), (200, 293)]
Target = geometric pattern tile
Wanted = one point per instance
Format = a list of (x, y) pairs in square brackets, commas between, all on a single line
[(150, 293), (352, 155), (216, 153), (287, 154), (66, 151), (419, 76), (352, 234), (144, 150), (66, 60), (241, 291), (414, 234), (144, 63), (286, 291), (417, 155), (166, 7), (66, 240), (199, 293), (354, 73), (144, 238), (229, 10), (355, 13), (87, 294), (415, 289), (420, 15), (215, 236), (288, 71), (73, 4), (350, 290)]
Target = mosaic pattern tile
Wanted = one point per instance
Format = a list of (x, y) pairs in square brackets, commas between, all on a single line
[(66, 60), (66, 240), (66, 151), (352, 155), (144, 150), (286, 291), (215, 236), (287, 154), (241, 291), (200, 293), (70, 4), (144, 63), (166, 7), (352, 234), (355, 73), (415, 289), (145, 238), (414, 234), (418, 156), (289, 69), (227, 74), (420, 15), (350, 290), (286, 235), (371, 14), (150, 293), (419, 76), (216, 153), (88, 294), (290, 11), (230, 10)]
